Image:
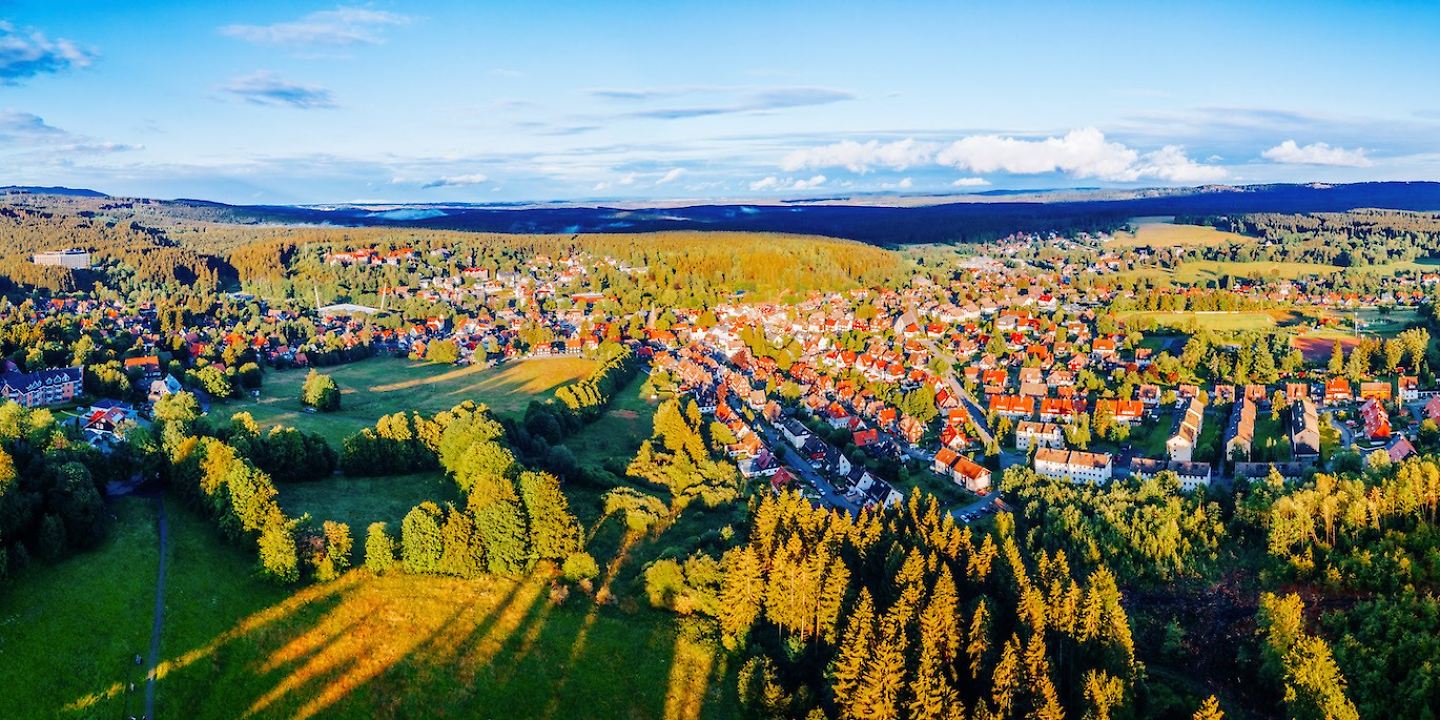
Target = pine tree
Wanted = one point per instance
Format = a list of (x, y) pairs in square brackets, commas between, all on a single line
[(847, 670), (742, 595), (932, 695), (878, 697), (979, 643), (1209, 710)]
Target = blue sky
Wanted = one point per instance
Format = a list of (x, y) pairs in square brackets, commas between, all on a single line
[(289, 102)]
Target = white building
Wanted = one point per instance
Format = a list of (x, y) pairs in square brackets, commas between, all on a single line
[(1046, 435), (1073, 465)]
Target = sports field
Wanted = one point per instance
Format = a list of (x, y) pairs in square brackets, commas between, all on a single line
[(380, 386)]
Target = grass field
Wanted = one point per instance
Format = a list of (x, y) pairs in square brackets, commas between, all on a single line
[(399, 646), (358, 502), (363, 646), (1217, 321), (380, 386), (1162, 232), (70, 628)]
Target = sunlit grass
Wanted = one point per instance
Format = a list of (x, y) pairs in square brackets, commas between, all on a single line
[(380, 386)]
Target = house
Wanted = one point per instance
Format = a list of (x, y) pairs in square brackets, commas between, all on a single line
[(1073, 465), (971, 475), (1033, 434), (795, 433), (1186, 431), (1240, 432), (1304, 431), (1375, 391), (148, 366), (763, 464), (1125, 412), (1338, 390), (1192, 475), (1058, 409), (1409, 388), (43, 387), (944, 460), (167, 385), (1399, 449), (1377, 420), (1012, 406), (1432, 408)]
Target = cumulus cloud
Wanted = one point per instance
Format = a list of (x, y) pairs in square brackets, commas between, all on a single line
[(970, 182), (766, 183), (670, 176), (456, 181), (906, 183), (267, 88), (341, 26), (1319, 153), (861, 157), (1083, 153), (774, 183), (27, 53)]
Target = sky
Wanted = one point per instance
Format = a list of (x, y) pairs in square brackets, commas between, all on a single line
[(487, 102)]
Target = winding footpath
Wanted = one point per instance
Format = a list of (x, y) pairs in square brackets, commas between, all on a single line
[(159, 609)]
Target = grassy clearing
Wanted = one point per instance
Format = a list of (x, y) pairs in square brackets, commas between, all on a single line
[(361, 501), (1217, 321), (619, 432), (380, 386), (364, 647), (1162, 232), (69, 629), (400, 646)]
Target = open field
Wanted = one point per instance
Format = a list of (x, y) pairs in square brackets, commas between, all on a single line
[(1162, 232), (386, 647), (617, 433), (400, 646), (1217, 321), (71, 628), (358, 502), (380, 386)]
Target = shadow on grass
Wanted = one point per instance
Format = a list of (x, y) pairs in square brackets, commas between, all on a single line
[(412, 646)]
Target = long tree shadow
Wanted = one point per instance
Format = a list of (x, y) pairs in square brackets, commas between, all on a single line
[(410, 646)]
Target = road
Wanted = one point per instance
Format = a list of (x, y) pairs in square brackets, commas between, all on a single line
[(806, 471), (159, 622), (977, 413)]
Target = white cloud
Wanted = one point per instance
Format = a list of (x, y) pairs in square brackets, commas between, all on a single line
[(814, 182), (971, 182), (341, 26), (629, 179), (456, 181), (860, 157), (1170, 163), (267, 88), (602, 185), (774, 183), (671, 176), (1083, 153), (1319, 153), (906, 183), (27, 53)]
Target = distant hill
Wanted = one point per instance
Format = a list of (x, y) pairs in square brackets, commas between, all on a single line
[(37, 190), (966, 219), (878, 220)]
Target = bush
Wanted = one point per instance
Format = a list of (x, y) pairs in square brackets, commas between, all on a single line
[(320, 392), (580, 566)]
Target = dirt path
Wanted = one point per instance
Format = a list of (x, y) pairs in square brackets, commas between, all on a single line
[(159, 609)]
